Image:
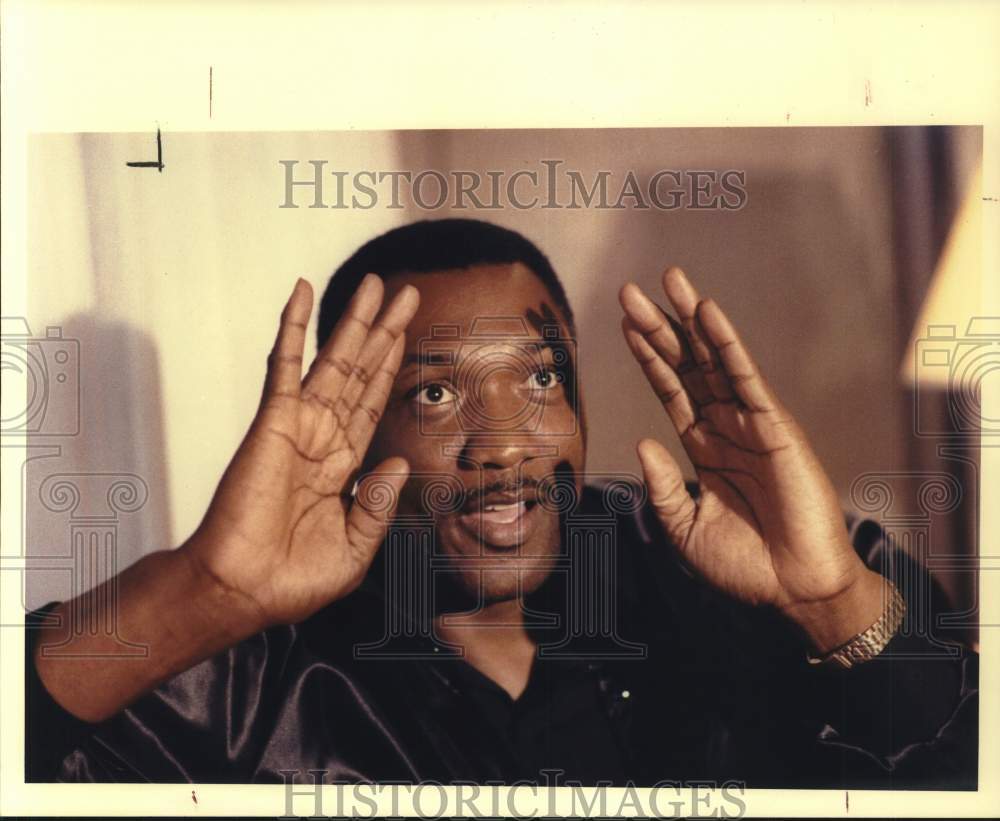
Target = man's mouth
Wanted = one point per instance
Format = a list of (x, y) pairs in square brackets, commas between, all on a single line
[(505, 513), (500, 519)]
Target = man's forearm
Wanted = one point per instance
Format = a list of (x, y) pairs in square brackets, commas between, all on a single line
[(164, 602)]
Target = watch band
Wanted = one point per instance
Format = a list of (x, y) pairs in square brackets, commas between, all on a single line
[(869, 643)]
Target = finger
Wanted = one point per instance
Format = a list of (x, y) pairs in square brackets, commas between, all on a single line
[(687, 369), (284, 363), (375, 504), (368, 412), (384, 334), (735, 359), (666, 337), (662, 379), (334, 364), (667, 491), (715, 374), (685, 299)]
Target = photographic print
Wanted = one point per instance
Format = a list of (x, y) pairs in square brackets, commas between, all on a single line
[(511, 470)]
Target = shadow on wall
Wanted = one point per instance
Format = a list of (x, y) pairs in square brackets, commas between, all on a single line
[(96, 501)]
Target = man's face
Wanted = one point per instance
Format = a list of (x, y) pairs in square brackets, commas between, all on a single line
[(485, 406)]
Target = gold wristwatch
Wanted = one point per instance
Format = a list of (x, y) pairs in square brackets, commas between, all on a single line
[(869, 643)]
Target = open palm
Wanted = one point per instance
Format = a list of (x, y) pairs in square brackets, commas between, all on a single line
[(284, 530), (766, 527)]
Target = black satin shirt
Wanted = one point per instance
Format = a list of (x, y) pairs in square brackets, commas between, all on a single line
[(685, 685)]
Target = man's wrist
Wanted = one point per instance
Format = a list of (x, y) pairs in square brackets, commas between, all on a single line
[(236, 614), (831, 623)]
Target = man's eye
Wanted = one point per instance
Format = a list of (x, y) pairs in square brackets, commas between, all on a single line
[(545, 379), (434, 394)]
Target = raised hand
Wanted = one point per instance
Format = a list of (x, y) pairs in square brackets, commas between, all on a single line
[(282, 532), (283, 536), (766, 528)]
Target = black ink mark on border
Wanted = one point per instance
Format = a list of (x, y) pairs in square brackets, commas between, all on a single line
[(158, 164)]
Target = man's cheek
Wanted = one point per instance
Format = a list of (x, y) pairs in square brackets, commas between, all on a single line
[(409, 499), (563, 426), (567, 453)]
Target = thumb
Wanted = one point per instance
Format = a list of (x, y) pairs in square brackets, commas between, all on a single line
[(375, 504), (667, 492)]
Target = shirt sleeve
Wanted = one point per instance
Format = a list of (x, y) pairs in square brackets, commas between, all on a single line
[(204, 724), (908, 717), (51, 733)]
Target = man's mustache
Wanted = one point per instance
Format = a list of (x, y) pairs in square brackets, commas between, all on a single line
[(448, 493), (513, 485)]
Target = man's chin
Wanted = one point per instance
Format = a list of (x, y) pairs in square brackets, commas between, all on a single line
[(470, 588), (480, 572)]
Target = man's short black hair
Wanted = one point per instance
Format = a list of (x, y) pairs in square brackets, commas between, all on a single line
[(435, 245)]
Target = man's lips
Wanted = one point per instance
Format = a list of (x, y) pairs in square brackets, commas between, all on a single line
[(493, 499), (501, 519), (503, 513), (500, 526)]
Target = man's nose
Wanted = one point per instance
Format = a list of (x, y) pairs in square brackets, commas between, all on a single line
[(501, 455), (502, 452)]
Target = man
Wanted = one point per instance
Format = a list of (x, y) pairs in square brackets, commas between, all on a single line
[(282, 639)]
